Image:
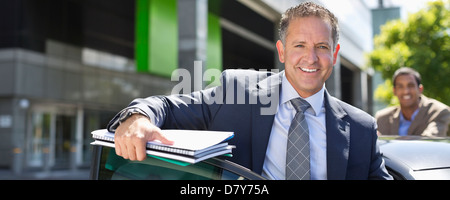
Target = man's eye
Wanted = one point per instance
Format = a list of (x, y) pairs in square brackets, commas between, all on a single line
[(323, 47)]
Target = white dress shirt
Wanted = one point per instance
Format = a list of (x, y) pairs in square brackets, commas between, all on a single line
[(275, 160)]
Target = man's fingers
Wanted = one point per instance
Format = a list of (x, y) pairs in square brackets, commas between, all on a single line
[(157, 135), (118, 148), (123, 150), (141, 153), (131, 151), (164, 140)]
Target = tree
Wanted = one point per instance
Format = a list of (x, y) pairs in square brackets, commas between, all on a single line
[(422, 43)]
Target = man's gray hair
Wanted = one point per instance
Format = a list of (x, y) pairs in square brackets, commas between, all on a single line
[(305, 10)]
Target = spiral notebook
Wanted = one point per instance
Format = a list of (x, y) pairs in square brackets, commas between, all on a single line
[(189, 145)]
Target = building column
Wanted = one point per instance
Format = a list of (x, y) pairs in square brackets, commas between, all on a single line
[(19, 124), (333, 84), (192, 39)]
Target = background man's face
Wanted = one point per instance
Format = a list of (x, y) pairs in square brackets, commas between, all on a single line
[(407, 90)]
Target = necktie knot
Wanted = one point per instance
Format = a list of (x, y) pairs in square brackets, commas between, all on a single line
[(300, 104)]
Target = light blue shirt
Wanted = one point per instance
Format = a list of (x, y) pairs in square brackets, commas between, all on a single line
[(275, 160), (405, 124)]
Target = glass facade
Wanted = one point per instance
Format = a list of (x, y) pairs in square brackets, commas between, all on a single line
[(59, 137), (39, 139)]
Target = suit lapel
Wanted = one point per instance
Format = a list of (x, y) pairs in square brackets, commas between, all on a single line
[(338, 139), (420, 115), (262, 117), (412, 130), (395, 122)]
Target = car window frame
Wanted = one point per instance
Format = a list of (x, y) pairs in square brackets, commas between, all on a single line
[(216, 162)]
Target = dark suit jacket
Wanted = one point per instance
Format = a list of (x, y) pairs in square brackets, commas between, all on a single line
[(352, 152)]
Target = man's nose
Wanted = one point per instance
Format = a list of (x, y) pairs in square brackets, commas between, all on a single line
[(311, 56)]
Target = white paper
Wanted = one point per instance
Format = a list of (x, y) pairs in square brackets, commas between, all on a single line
[(184, 139)]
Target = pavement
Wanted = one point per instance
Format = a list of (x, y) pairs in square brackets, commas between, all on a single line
[(78, 174)]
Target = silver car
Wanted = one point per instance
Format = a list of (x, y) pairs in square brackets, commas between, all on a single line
[(416, 158)]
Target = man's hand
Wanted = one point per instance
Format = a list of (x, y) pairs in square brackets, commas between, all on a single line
[(132, 135)]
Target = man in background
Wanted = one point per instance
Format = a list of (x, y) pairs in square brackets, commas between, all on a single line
[(417, 114)]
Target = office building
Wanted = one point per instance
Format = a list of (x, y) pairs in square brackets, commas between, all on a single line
[(67, 66)]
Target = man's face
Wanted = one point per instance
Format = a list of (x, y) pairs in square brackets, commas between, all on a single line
[(407, 91), (308, 54)]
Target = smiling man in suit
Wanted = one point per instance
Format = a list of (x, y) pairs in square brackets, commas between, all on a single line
[(283, 115), (417, 114)]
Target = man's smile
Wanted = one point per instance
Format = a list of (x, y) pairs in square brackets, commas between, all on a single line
[(406, 97), (308, 70)]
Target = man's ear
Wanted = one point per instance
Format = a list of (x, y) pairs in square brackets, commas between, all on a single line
[(421, 88), (280, 49), (338, 47)]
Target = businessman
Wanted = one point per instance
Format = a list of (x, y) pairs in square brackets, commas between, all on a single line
[(303, 133), (416, 114)]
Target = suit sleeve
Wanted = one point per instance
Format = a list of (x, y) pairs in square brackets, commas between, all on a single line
[(189, 111)]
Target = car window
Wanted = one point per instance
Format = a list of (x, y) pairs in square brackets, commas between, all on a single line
[(113, 167)]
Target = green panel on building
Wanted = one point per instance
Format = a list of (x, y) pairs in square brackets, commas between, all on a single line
[(156, 50), (156, 37)]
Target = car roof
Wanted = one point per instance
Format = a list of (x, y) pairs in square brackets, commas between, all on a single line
[(418, 155)]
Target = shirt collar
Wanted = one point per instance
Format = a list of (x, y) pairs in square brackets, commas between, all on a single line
[(402, 118), (288, 92)]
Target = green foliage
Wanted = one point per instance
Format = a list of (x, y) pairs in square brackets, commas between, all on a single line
[(422, 43), (385, 94)]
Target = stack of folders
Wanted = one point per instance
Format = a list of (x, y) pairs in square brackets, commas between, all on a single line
[(189, 146)]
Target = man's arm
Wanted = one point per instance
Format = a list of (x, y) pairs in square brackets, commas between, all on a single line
[(174, 112), (196, 111), (190, 111)]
